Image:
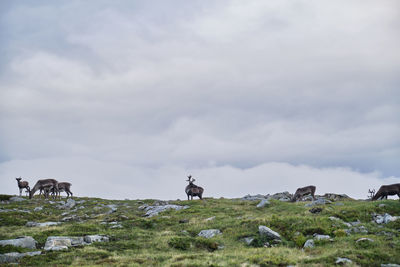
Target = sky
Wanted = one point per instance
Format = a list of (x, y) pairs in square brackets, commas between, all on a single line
[(124, 99)]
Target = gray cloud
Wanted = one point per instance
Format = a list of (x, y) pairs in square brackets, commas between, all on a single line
[(137, 95)]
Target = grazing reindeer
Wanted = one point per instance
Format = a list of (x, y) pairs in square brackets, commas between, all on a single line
[(371, 193), (300, 192), (193, 190), (46, 185), (22, 185), (64, 187), (387, 190)]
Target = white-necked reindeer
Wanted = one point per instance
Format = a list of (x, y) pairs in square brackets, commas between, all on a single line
[(22, 185), (193, 190)]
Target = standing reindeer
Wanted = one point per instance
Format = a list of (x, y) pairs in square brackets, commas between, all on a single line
[(387, 190), (63, 187), (47, 185), (193, 190), (22, 185), (300, 192)]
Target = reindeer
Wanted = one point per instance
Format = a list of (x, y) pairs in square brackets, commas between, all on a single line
[(46, 185), (387, 190), (371, 193), (63, 187), (193, 190), (22, 185), (300, 192)]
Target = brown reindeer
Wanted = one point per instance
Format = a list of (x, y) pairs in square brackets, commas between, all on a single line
[(300, 192), (22, 185), (47, 185), (193, 190), (387, 190), (64, 187)]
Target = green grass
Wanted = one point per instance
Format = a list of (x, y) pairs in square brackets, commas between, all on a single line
[(164, 241)]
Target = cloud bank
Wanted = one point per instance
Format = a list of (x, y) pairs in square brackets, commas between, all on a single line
[(253, 97)]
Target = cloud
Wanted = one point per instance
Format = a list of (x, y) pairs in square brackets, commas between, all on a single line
[(200, 87)]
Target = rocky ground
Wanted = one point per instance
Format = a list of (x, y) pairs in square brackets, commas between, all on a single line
[(256, 230)]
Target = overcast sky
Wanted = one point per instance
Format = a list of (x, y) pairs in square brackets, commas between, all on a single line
[(125, 98)]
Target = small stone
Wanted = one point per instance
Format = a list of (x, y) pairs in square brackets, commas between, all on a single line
[(17, 199), (210, 219), (265, 231), (263, 203), (321, 237), (36, 224), (381, 205), (248, 240), (309, 243), (342, 260), (38, 209), (209, 233), (364, 239), (23, 242)]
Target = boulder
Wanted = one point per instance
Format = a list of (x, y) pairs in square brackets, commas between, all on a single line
[(38, 209), (23, 242), (336, 197), (36, 224), (284, 196), (319, 201), (342, 261), (386, 218), (265, 231), (263, 203), (321, 237), (15, 256), (254, 197), (95, 238), (390, 265), (70, 203), (309, 243), (16, 199), (209, 233)]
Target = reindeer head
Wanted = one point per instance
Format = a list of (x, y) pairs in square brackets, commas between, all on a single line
[(371, 193), (18, 179)]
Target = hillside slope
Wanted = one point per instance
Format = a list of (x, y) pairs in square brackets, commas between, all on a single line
[(171, 237)]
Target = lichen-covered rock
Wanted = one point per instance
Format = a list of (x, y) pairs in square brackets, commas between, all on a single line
[(96, 238), (23, 242), (265, 231), (309, 243), (63, 242), (44, 224), (15, 256), (16, 199), (209, 233), (155, 210), (321, 237)]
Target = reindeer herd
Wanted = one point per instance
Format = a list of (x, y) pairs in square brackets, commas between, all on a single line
[(45, 187), (53, 187)]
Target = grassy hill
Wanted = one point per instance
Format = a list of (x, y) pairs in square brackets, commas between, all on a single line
[(171, 238)]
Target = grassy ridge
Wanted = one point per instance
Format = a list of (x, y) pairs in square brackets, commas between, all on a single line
[(170, 239)]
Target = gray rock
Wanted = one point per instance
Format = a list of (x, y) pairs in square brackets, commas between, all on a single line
[(209, 233), (16, 199), (309, 243), (113, 208), (386, 218), (96, 238), (364, 239), (319, 201), (15, 256), (210, 219), (36, 224), (355, 223), (70, 203), (336, 197), (321, 237), (265, 231), (381, 205), (390, 265), (38, 209), (342, 260), (63, 242), (255, 197), (23, 242), (155, 210), (263, 203), (248, 240)]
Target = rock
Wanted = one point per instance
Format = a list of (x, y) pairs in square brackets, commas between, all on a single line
[(309, 243), (381, 205), (63, 242), (113, 208), (386, 218), (355, 223), (332, 218), (155, 210), (96, 238), (16, 199), (342, 260), (255, 197), (70, 203), (284, 196), (265, 231), (390, 265), (15, 256), (248, 240), (116, 226), (36, 224), (23, 242), (210, 219), (321, 237), (364, 239), (336, 197), (209, 233), (315, 210), (263, 203), (38, 209)]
